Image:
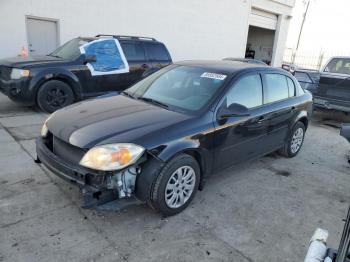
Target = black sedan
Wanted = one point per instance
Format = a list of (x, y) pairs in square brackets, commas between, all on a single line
[(160, 140)]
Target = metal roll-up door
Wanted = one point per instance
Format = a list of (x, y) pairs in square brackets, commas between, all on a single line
[(263, 19)]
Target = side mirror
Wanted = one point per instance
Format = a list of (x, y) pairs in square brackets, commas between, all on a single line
[(233, 110), (89, 59)]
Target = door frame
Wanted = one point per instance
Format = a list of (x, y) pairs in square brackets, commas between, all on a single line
[(56, 21)]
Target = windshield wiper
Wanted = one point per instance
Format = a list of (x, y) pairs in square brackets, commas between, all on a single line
[(155, 102), (128, 94), (54, 56)]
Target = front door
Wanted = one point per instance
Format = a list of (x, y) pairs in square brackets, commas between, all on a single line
[(241, 138), (335, 80), (110, 72), (42, 36)]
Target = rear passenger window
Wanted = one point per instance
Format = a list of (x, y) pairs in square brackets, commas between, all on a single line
[(157, 52), (246, 91), (133, 51), (291, 87), (276, 88)]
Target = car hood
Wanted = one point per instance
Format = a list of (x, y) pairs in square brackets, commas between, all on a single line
[(25, 62), (117, 119)]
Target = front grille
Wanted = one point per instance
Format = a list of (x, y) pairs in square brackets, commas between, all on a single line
[(5, 72), (64, 150)]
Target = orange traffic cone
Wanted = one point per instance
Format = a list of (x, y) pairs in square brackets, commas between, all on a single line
[(23, 52)]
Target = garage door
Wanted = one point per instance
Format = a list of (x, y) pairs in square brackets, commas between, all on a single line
[(263, 19)]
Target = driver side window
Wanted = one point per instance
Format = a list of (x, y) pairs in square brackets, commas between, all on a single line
[(247, 91)]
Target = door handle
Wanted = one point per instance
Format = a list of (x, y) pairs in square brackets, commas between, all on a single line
[(261, 120)]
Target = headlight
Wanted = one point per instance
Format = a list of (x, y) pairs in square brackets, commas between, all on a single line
[(19, 73), (44, 129), (112, 157)]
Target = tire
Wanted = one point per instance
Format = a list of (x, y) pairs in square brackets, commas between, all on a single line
[(167, 177), (293, 146), (54, 95)]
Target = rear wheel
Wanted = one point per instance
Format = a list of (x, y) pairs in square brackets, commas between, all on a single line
[(295, 141), (176, 185), (54, 95)]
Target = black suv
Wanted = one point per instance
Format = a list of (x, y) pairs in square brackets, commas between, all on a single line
[(63, 77)]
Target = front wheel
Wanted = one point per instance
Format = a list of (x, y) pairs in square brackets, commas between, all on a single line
[(54, 95), (295, 141), (176, 185)]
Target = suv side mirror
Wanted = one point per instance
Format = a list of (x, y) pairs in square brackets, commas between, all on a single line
[(233, 110), (89, 59)]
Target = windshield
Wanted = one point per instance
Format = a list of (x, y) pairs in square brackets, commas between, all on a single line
[(69, 50), (179, 87)]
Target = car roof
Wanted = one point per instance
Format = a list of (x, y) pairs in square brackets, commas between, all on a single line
[(247, 60), (228, 66)]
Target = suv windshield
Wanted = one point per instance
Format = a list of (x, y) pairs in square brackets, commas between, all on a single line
[(179, 87), (69, 50)]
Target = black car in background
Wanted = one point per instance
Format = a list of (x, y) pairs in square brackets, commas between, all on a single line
[(330, 86), (161, 139), (56, 80)]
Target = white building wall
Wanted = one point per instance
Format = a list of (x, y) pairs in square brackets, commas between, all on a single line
[(191, 29)]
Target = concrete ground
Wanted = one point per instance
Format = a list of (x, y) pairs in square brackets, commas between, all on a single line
[(265, 210)]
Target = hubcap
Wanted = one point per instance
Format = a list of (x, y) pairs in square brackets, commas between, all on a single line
[(56, 97), (297, 140), (180, 187)]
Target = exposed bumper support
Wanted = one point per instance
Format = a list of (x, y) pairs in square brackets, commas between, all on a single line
[(93, 195)]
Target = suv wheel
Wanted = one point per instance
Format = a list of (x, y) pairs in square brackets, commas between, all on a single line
[(176, 185), (295, 141), (54, 95)]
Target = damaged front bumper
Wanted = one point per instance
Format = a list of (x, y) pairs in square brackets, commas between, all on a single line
[(97, 187)]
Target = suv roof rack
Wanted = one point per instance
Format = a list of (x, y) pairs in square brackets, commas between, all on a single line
[(127, 37)]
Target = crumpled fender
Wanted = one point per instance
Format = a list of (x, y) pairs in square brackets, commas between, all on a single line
[(144, 181), (158, 157)]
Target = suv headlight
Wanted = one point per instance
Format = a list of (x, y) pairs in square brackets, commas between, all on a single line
[(112, 156), (19, 73)]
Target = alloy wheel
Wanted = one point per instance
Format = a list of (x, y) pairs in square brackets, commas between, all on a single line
[(180, 187), (297, 140), (56, 97)]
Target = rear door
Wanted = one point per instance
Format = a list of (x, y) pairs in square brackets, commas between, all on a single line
[(138, 63), (279, 107), (335, 80), (157, 54)]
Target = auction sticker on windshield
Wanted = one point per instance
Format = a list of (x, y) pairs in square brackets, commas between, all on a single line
[(214, 76)]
